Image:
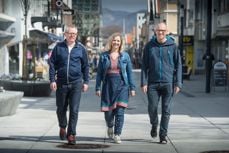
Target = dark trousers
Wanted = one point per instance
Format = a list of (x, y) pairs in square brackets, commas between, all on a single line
[(155, 92), (68, 95)]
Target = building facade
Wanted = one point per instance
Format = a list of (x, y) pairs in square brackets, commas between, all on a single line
[(87, 18), (39, 26)]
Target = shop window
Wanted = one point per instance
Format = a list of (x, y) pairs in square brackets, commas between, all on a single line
[(14, 59)]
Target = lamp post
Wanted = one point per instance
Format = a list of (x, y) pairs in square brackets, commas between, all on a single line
[(25, 7), (181, 45), (209, 57)]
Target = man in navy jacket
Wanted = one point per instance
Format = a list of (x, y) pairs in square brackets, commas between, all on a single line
[(69, 76), (160, 77)]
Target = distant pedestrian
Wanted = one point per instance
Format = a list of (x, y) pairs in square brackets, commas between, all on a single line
[(95, 63), (69, 76), (210, 58), (160, 77), (115, 73)]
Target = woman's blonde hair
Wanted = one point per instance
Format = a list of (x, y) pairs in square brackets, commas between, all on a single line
[(108, 46)]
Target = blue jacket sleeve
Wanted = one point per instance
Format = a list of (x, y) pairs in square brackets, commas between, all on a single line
[(52, 70), (85, 67), (144, 68), (99, 75), (178, 69), (130, 74)]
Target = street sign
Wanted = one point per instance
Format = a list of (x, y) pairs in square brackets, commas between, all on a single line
[(68, 12)]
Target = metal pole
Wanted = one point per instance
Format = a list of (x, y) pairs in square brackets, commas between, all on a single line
[(25, 69), (209, 59), (25, 73), (182, 34), (181, 45)]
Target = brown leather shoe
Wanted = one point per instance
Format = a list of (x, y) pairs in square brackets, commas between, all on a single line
[(62, 134), (71, 140)]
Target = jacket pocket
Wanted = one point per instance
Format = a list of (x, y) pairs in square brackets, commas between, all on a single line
[(170, 57)]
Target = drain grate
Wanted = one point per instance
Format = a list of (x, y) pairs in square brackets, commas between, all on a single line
[(6, 138), (83, 146), (217, 151)]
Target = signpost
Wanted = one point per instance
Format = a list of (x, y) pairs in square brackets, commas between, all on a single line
[(68, 12), (220, 75)]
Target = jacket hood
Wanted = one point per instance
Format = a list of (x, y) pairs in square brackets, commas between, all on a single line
[(170, 41)]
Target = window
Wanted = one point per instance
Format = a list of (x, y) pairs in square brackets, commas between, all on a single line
[(14, 59)]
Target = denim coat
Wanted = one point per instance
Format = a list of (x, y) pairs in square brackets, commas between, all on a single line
[(124, 64)]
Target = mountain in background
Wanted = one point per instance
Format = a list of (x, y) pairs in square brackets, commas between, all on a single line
[(113, 20)]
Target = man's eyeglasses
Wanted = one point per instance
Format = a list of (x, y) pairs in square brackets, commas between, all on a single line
[(159, 30), (71, 34)]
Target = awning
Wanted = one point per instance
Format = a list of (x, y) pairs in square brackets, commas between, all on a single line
[(6, 18), (5, 37), (44, 36), (5, 22), (4, 34), (54, 37)]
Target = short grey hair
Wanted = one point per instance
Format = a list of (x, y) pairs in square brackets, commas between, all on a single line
[(66, 28)]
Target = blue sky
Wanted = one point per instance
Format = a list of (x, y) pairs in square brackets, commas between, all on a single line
[(125, 5)]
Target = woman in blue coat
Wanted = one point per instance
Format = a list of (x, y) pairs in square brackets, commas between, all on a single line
[(115, 74)]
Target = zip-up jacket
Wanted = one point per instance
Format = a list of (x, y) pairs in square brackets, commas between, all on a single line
[(65, 67), (124, 64), (161, 63)]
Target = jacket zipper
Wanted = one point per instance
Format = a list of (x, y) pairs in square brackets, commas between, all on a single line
[(68, 67), (160, 65)]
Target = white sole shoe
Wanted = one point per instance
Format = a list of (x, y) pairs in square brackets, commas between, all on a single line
[(117, 139)]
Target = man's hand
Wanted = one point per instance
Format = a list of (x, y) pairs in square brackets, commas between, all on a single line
[(85, 87), (176, 90), (144, 89), (98, 93), (53, 86)]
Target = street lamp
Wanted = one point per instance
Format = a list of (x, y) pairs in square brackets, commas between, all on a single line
[(181, 45), (209, 55), (25, 7)]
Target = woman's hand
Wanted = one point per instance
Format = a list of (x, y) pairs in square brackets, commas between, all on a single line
[(132, 93)]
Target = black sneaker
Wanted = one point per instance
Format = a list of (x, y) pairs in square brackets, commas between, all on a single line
[(163, 140), (153, 132)]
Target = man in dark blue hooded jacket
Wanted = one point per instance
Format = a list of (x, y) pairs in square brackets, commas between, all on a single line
[(161, 76)]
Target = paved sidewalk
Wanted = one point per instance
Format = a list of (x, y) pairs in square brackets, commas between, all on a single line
[(199, 122)]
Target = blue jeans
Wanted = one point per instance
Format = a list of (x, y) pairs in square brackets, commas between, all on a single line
[(118, 114), (155, 92), (68, 95)]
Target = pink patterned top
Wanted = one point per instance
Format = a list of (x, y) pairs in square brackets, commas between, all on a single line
[(114, 66)]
